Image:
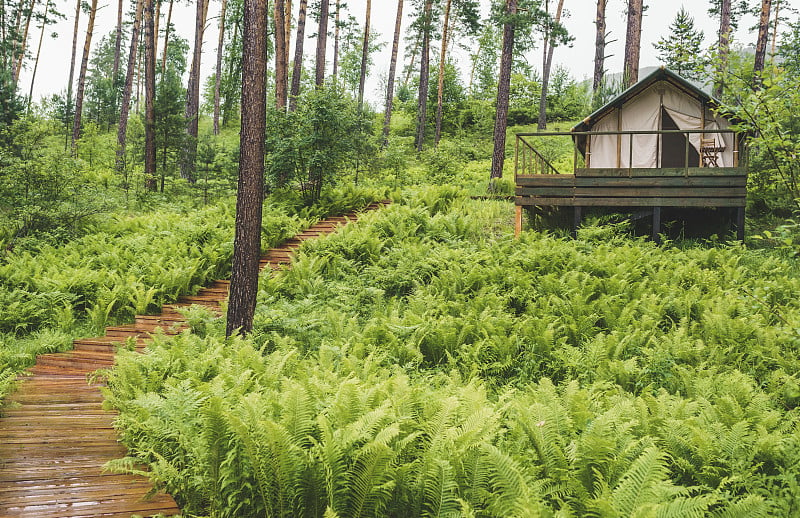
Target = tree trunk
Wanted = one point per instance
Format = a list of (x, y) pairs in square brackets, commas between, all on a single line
[(281, 68), (125, 104), (247, 241), (775, 28), (150, 179), (74, 52), (599, 47), (38, 52), (166, 38), (440, 86), (287, 33), (424, 73), (117, 42), (761, 42), (322, 42), (503, 88), (193, 96), (387, 117), (633, 38), (21, 56), (336, 41), (297, 71), (724, 46), (218, 78), (546, 65), (76, 124), (364, 55), (413, 58), (157, 19)]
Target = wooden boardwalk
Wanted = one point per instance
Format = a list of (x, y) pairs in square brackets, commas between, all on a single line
[(55, 436)]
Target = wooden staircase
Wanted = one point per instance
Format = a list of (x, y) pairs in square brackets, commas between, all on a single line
[(55, 436)]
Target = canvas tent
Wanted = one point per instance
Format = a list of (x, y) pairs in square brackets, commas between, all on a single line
[(661, 101)]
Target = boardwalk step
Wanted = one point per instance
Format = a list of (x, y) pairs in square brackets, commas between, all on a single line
[(55, 435)]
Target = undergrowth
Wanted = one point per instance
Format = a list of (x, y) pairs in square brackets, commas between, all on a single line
[(131, 264), (425, 363)]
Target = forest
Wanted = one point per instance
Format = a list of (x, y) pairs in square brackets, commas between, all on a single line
[(422, 361)]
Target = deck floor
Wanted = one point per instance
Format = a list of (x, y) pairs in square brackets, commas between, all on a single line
[(55, 435)]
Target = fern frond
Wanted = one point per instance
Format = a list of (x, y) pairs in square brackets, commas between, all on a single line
[(635, 489), (441, 492)]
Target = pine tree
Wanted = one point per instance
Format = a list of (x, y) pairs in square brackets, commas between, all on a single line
[(681, 50)]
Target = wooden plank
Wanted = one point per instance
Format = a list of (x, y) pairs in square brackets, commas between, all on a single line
[(653, 192), (653, 172), (545, 191), (651, 202), (668, 181), (545, 180)]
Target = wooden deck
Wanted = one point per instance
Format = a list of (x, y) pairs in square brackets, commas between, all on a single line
[(636, 188), (55, 436)]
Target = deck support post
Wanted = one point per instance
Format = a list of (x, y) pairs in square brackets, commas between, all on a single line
[(577, 216), (740, 223), (518, 221), (657, 225)]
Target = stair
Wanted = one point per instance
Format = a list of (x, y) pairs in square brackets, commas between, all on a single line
[(55, 435)]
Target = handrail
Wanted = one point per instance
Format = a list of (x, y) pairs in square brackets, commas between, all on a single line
[(531, 157), (547, 167)]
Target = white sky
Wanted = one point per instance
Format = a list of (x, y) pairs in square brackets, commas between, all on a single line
[(54, 63)]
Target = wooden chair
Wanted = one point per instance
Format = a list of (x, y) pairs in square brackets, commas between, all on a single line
[(709, 152)]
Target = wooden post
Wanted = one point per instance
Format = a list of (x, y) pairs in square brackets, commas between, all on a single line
[(619, 136), (516, 157), (518, 221), (686, 157), (657, 224), (740, 223), (576, 219)]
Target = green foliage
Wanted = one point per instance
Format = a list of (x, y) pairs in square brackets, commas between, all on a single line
[(681, 50), (425, 363), (313, 144)]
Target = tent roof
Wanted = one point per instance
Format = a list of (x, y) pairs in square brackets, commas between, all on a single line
[(660, 74)]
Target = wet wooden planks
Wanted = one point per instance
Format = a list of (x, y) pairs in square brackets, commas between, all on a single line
[(55, 436)]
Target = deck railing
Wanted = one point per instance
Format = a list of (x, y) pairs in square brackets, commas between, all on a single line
[(531, 161)]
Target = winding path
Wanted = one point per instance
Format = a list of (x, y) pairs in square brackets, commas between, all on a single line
[(55, 435)]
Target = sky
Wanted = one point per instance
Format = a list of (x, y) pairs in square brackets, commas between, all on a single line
[(578, 58)]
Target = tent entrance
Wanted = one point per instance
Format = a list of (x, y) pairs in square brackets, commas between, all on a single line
[(673, 146)]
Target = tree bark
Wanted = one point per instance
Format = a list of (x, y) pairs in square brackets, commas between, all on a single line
[(247, 241), (503, 88), (424, 73), (364, 55), (281, 68), (117, 42), (761, 43), (336, 40), (193, 96), (775, 23), (150, 179), (76, 124), (724, 46), (633, 38), (127, 90), (599, 47), (546, 66), (322, 42), (218, 78), (74, 52), (166, 38), (440, 86), (157, 19), (287, 32), (387, 117), (38, 52), (297, 71), (21, 56)]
